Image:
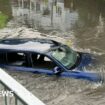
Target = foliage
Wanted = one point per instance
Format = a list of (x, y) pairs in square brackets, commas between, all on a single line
[(3, 20)]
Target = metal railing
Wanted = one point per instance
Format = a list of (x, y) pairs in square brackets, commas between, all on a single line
[(13, 93)]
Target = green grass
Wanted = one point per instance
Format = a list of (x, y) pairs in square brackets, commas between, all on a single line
[(3, 20)]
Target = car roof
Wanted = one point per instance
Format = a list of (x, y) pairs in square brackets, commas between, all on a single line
[(28, 44)]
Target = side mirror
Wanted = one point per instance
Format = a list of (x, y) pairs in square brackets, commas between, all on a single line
[(57, 70)]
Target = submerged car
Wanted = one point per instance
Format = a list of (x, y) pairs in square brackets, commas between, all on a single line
[(44, 56)]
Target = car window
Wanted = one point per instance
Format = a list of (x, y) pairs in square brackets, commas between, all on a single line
[(17, 58), (42, 61), (2, 58), (66, 56)]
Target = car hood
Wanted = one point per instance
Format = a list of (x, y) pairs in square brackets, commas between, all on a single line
[(86, 59)]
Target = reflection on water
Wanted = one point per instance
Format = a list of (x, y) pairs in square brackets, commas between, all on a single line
[(45, 14), (63, 15)]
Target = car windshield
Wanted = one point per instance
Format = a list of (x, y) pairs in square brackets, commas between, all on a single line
[(65, 55)]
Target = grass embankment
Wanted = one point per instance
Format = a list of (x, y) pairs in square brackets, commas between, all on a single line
[(3, 20)]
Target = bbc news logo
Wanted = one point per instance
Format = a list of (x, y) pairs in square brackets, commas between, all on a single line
[(6, 93)]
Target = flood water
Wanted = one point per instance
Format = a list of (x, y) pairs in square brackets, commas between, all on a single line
[(82, 21)]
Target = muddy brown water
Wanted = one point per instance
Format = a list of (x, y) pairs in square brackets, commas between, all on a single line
[(81, 21)]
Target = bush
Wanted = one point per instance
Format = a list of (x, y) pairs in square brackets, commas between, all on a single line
[(3, 20)]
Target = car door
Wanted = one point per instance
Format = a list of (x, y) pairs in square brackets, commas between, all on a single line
[(28, 62), (17, 61), (42, 64)]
